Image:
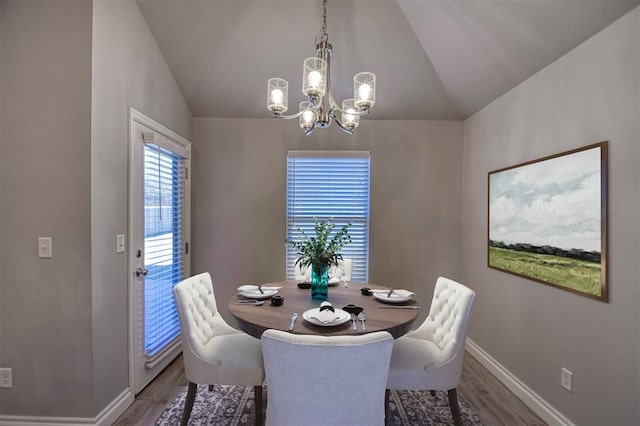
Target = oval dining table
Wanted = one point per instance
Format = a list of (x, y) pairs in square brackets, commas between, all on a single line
[(380, 316)]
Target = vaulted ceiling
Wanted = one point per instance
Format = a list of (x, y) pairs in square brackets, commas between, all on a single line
[(433, 59)]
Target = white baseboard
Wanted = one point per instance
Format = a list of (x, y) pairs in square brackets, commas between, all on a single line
[(531, 399), (107, 417), (115, 409)]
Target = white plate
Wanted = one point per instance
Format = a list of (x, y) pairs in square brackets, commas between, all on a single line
[(254, 287), (342, 317), (255, 294), (398, 296)]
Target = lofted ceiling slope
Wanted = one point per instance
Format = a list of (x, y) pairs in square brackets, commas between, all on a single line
[(433, 59)]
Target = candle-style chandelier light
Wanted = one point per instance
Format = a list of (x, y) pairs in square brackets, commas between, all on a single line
[(320, 108)]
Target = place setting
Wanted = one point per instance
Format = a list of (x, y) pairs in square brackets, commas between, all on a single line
[(256, 292), (329, 316), (326, 315), (394, 297)]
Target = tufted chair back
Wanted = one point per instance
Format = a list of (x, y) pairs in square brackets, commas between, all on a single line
[(449, 314), (303, 273), (342, 271), (200, 309)]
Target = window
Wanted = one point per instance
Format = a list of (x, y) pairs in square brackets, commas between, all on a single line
[(330, 185)]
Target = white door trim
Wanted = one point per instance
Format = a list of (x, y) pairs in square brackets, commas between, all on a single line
[(136, 117)]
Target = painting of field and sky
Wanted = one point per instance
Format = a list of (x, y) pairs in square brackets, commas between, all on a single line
[(547, 220)]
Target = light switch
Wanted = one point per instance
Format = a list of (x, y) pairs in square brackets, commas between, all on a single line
[(120, 244), (45, 248)]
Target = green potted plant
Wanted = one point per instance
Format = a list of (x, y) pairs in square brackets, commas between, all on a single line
[(320, 252)]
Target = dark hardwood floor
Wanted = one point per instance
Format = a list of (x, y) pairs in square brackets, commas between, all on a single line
[(490, 399)]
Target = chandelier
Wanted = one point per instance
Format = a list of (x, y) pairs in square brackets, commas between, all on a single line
[(320, 108)]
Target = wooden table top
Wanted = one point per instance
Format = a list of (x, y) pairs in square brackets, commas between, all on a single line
[(254, 320)]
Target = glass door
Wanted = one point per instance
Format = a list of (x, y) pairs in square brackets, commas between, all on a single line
[(159, 220)]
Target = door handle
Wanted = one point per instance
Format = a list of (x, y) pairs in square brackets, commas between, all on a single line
[(141, 271)]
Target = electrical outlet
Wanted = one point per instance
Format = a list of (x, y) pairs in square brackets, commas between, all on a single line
[(5, 378), (566, 379)]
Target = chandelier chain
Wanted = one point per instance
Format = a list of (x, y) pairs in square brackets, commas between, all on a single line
[(322, 35)]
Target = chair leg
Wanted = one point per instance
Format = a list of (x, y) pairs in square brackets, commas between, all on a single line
[(387, 392), (257, 394), (191, 397), (455, 409)]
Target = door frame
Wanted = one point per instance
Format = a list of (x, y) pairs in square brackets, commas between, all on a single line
[(136, 117)]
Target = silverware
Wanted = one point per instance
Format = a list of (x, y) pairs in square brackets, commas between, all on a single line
[(294, 317), (390, 292), (353, 321), (362, 319), (399, 307)]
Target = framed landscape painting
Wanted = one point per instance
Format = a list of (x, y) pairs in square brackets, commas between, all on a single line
[(548, 220)]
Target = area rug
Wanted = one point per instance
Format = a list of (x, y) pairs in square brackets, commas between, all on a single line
[(234, 405)]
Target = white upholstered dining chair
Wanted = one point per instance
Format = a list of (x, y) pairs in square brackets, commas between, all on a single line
[(326, 380), (342, 271), (430, 357), (303, 273), (213, 351)]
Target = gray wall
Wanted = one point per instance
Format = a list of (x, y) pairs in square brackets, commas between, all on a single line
[(128, 70), (239, 188), (45, 304), (70, 70), (587, 96)]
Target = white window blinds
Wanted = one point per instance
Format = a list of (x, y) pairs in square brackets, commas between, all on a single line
[(164, 248), (330, 185)]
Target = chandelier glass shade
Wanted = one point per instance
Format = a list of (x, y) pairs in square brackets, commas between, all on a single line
[(307, 116), (277, 95), (320, 109)]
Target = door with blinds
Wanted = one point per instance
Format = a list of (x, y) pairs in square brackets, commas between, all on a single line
[(159, 244)]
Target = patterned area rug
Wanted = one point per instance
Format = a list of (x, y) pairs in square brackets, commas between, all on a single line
[(234, 405)]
